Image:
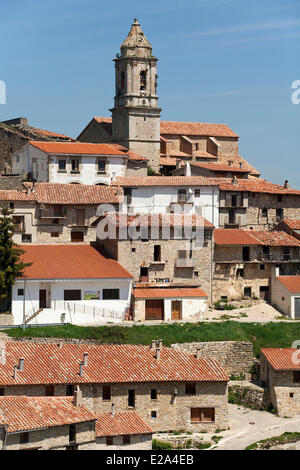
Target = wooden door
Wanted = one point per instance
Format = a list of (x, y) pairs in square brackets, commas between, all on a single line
[(176, 309), (154, 309), (77, 237), (43, 298)]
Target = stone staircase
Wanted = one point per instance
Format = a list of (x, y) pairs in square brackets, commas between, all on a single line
[(29, 319)]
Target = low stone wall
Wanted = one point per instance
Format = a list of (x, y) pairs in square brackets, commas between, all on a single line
[(249, 394), (6, 319), (235, 357)]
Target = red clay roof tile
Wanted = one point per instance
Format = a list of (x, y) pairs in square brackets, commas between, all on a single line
[(140, 181), (124, 423), (292, 283), (282, 358), (162, 293), (77, 148)]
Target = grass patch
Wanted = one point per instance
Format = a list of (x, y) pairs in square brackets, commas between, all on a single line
[(261, 335), (285, 438)]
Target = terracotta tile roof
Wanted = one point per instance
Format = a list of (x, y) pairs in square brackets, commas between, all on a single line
[(234, 237), (59, 193), (205, 155), (293, 224), (129, 181), (120, 424), (221, 167), (46, 363), (183, 128), (74, 261), (292, 283), (256, 185), (275, 238), (155, 220), (282, 358), (31, 413), (132, 156), (196, 128), (44, 133), (252, 237), (170, 292), (14, 195), (167, 161), (77, 148)]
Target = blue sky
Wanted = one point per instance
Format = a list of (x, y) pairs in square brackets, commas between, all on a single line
[(230, 61)]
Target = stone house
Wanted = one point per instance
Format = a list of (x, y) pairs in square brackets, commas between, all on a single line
[(57, 213), (212, 170), (286, 294), (15, 133), (72, 283), (72, 162), (169, 389), (255, 204), (122, 431), (244, 262), (291, 226), (162, 251), (46, 423), (280, 374)]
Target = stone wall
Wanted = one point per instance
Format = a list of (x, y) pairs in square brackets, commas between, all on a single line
[(10, 142), (249, 394), (235, 357)]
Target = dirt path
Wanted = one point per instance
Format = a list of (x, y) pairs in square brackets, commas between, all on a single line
[(249, 426)]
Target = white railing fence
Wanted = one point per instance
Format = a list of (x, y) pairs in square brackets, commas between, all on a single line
[(93, 312)]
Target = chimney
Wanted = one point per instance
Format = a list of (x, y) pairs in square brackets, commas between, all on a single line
[(81, 369), (21, 364), (112, 409), (160, 343), (85, 358), (198, 353), (157, 353), (153, 344), (77, 396), (60, 343), (234, 180), (287, 185), (15, 372), (188, 170)]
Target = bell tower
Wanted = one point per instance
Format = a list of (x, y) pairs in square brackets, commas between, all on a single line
[(136, 115)]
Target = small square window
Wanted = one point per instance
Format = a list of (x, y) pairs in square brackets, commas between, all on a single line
[(11, 205), (26, 238), (126, 440), (101, 166), (54, 234), (190, 389), (75, 165), (224, 297), (133, 250), (153, 414), (109, 441), (292, 395), (262, 267), (196, 274), (21, 292), (61, 165)]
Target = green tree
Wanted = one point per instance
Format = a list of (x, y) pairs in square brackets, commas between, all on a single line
[(10, 265)]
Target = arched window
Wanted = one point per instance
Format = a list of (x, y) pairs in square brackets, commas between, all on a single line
[(122, 80), (143, 80)]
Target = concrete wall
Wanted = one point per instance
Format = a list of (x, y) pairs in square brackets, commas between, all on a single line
[(235, 357)]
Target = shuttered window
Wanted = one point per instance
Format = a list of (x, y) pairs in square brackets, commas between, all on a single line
[(202, 415)]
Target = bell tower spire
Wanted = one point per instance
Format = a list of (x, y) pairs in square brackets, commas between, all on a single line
[(136, 115)]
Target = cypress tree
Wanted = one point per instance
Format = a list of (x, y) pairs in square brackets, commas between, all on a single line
[(10, 265)]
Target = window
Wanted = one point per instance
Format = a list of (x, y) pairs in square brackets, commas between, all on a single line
[(197, 192), (1, 392), (18, 222), (122, 80), (106, 392), (57, 210), (202, 415), (49, 391), (61, 165), (75, 166), (296, 376), (286, 253), (72, 433), (111, 294), (77, 237), (196, 274), (109, 441), (73, 294), (246, 253), (279, 198), (240, 273), (190, 389), (157, 253), (247, 291), (143, 82), (24, 438), (262, 267), (70, 390), (101, 165), (291, 395), (264, 212), (131, 398), (133, 250), (153, 414), (128, 195), (26, 238), (234, 200), (20, 292), (126, 440), (181, 195), (11, 205), (279, 215), (197, 146), (153, 394), (54, 234), (224, 297)]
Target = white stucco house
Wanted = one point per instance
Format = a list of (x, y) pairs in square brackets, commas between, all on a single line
[(70, 284), (162, 194), (73, 162), (285, 292)]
